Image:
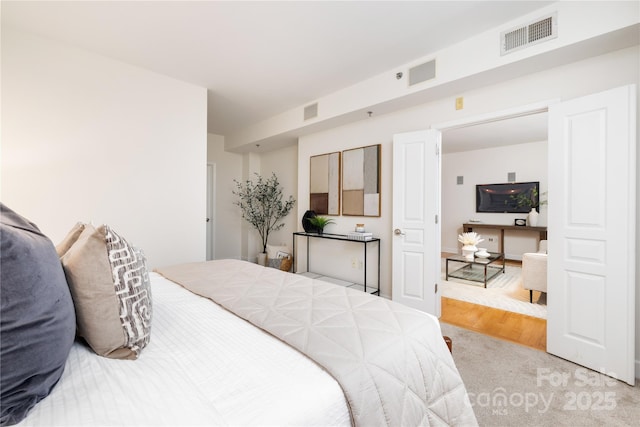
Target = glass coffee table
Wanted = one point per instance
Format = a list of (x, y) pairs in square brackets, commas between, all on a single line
[(479, 270)]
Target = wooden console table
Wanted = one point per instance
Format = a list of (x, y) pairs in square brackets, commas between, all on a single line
[(468, 227)]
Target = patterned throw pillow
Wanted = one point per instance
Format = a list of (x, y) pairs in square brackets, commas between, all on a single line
[(133, 289), (110, 286)]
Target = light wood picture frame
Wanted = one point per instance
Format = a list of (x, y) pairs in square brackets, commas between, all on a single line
[(324, 183), (361, 194)]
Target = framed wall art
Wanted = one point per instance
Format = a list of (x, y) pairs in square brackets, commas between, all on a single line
[(361, 181), (324, 184)]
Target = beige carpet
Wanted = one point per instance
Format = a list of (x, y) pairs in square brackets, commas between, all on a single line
[(513, 385), (503, 291)]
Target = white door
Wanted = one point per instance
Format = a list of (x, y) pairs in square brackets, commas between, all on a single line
[(591, 265), (211, 188), (416, 231)]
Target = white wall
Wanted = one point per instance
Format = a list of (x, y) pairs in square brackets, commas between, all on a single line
[(528, 161), (280, 162), (335, 258), (87, 138), (227, 221), (606, 71)]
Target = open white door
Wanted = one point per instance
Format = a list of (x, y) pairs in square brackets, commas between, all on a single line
[(591, 264), (416, 229)]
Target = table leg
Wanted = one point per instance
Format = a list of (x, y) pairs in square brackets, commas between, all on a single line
[(365, 267), (485, 276), (294, 268)]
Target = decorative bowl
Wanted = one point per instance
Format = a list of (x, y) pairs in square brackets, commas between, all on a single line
[(483, 254)]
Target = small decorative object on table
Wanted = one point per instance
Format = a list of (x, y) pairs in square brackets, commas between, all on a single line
[(361, 236), (520, 221), (359, 228), (306, 224), (469, 241), (482, 253)]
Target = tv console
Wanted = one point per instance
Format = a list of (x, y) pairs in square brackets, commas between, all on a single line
[(468, 227)]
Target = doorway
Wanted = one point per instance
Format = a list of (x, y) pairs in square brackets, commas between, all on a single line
[(500, 151), (592, 163), (469, 153)]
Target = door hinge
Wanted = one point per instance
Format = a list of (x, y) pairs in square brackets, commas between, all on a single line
[(436, 290), (437, 149), (436, 218)]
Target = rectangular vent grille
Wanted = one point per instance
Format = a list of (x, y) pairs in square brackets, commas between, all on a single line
[(422, 72), (311, 111), (539, 31)]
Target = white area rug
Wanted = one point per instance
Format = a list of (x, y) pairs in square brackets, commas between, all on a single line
[(503, 291)]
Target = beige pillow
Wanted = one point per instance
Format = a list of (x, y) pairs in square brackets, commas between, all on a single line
[(272, 251), (70, 239), (111, 291)]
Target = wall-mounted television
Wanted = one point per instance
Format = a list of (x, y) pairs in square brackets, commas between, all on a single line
[(508, 197)]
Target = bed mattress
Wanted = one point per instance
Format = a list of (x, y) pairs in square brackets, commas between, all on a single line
[(203, 366)]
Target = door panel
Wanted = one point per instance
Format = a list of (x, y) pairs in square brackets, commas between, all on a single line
[(591, 266), (416, 237)]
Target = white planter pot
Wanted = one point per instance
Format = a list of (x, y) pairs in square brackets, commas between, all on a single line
[(468, 251), (262, 259)]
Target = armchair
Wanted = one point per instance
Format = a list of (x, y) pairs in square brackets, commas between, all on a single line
[(534, 270)]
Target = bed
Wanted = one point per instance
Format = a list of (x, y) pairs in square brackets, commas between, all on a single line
[(234, 343), (203, 366)]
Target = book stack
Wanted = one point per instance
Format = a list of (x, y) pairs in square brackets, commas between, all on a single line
[(354, 235)]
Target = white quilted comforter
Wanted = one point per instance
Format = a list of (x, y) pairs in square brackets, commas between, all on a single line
[(390, 360)]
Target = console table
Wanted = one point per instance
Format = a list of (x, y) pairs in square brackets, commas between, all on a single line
[(341, 237), (468, 227)]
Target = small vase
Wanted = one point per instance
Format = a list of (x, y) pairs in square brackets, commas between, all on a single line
[(532, 218), (308, 227), (468, 251)]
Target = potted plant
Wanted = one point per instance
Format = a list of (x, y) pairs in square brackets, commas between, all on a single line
[(529, 200), (320, 222), (262, 206)]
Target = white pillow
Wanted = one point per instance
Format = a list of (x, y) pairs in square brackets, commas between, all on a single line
[(272, 251)]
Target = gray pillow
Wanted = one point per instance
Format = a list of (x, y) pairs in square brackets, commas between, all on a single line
[(38, 323)]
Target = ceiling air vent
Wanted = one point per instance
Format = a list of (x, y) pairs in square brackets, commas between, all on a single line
[(422, 72), (311, 111), (527, 35)]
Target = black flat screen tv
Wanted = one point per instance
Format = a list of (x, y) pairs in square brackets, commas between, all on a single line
[(507, 198)]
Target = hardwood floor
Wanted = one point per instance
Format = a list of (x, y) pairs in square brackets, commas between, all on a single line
[(518, 328)]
